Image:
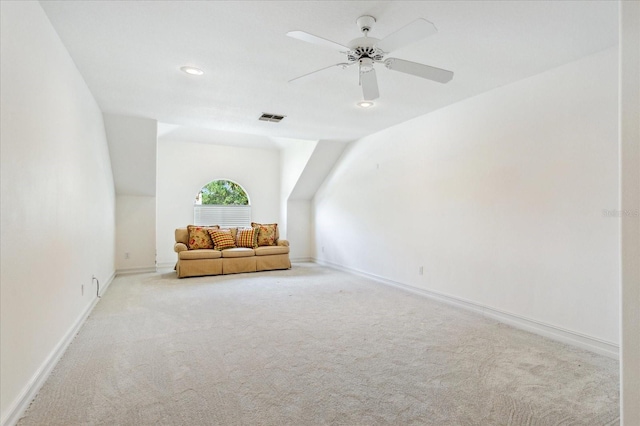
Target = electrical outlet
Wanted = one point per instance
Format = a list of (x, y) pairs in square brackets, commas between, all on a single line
[(126, 255), (82, 289), (421, 270), (323, 249)]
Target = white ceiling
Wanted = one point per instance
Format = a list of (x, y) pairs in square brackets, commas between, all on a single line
[(130, 54)]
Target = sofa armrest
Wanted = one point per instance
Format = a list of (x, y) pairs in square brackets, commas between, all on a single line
[(178, 247), (283, 243)]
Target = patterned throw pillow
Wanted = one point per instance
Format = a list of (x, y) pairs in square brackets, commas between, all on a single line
[(199, 237), (266, 233), (222, 239), (247, 237)]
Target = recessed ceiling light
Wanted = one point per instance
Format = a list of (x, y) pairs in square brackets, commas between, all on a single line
[(192, 70), (365, 104)]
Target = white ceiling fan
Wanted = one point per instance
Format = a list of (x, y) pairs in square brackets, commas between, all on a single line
[(367, 51)]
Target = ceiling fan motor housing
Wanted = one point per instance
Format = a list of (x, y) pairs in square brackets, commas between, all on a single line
[(364, 47), (362, 52)]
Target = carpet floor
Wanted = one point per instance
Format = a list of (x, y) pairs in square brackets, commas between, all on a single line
[(312, 346)]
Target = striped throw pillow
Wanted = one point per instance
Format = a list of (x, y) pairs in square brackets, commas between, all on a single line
[(222, 239), (247, 237)]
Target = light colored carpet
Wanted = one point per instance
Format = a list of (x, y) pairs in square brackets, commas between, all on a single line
[(312, 346)]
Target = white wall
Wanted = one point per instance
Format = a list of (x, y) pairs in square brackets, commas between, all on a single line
[(293, 159), (185, 167), (304, 168), (132, 146), (299, 230), (135, 233), (499, 197), (58, 225), (294, 215), (630, 205)]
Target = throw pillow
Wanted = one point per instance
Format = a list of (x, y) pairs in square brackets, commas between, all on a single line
[(222, 239), (247, 237), (199, 238), (266, 233)]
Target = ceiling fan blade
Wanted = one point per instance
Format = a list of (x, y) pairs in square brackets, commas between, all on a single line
[(310, 38), (369, 84), (343, 65), (417, 30), (419, 70)]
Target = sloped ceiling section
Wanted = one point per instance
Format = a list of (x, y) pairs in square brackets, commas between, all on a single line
[(324, 157), (132, 147), (130, 54)]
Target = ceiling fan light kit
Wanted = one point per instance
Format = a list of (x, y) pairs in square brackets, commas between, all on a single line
[(367, 51)]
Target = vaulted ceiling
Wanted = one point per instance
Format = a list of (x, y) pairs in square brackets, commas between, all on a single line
[(130, 54)]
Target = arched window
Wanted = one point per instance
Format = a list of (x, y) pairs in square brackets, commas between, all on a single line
[(222, 202), (223, 192)]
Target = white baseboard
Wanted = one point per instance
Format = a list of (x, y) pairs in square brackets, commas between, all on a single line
[(165, 265), (129, 271), (301, 259), (30, 391), (104, 288), (592, 344)]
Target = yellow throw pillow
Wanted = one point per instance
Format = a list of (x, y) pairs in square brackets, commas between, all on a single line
[(222, 239), (266, 233), (199, 237), (247, 237)]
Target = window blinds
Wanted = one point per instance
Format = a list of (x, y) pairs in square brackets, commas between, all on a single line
[(225, 216)]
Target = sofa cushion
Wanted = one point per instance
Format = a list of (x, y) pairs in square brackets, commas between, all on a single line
[(267, 233), (222, 239), (199, 237), (200, 254), (269, 250), (238, 252), (247, 237)]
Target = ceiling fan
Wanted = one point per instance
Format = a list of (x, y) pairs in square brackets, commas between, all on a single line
[(367, 51)]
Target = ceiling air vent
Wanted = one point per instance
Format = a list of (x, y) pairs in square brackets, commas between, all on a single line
[(271, 117)]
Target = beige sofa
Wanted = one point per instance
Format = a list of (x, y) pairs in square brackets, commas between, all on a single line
[(194, 263)]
